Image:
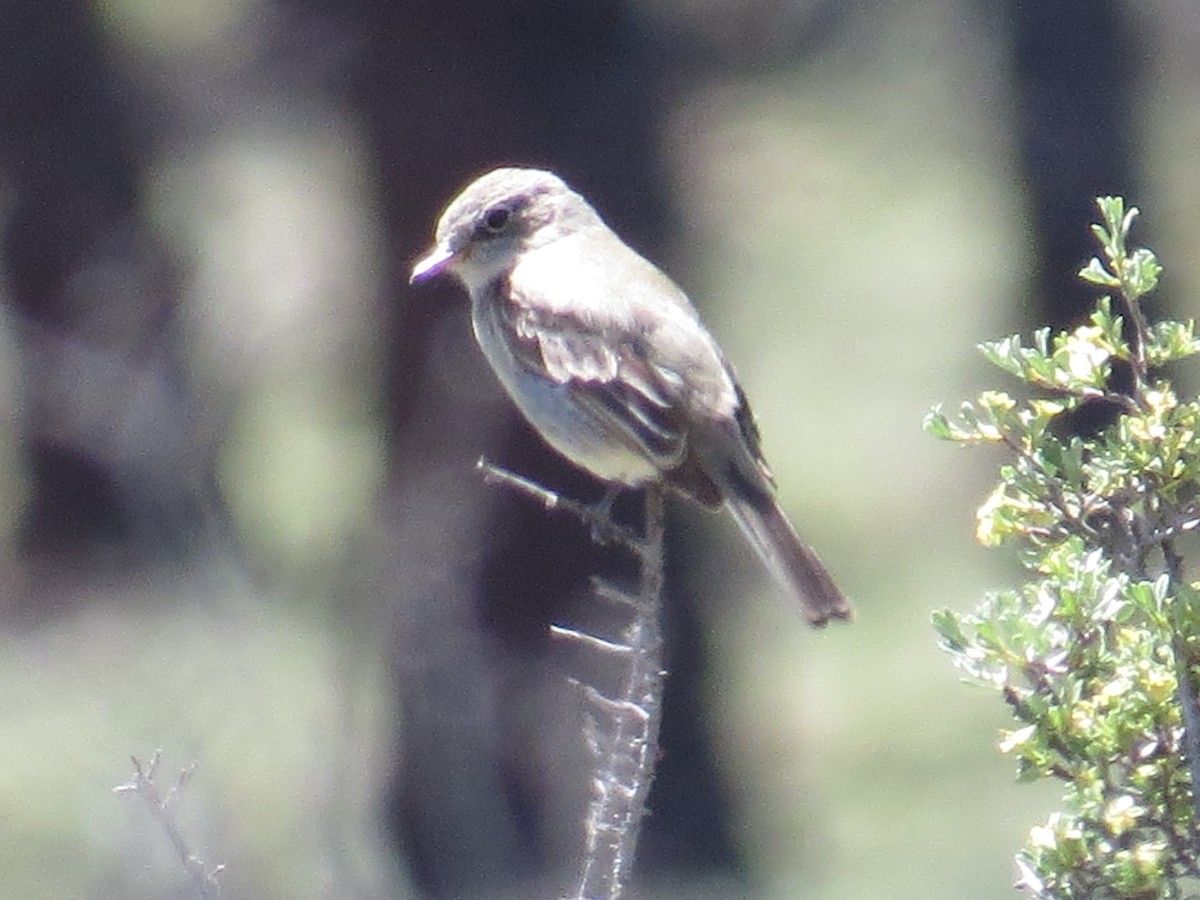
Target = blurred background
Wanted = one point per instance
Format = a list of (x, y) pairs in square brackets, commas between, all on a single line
[(239, 517)]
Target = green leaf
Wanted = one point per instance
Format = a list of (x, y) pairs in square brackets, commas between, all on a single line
[(946, 624), (1095, 273), (937, 424), (1142, 272)]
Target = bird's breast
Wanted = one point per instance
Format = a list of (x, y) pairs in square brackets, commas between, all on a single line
[(549, 405)]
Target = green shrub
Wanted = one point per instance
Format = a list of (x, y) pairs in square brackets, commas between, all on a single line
[(1094, 656)]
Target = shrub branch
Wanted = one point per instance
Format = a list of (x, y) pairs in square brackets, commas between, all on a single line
[(621, 730), (1096, 657)]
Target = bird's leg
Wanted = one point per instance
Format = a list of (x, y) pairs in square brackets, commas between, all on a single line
[(603, 507), (604, 528)]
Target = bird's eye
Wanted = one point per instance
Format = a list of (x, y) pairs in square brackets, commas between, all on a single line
[(496, 218)]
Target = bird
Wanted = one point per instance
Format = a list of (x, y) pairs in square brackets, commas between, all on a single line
[(608, 360)]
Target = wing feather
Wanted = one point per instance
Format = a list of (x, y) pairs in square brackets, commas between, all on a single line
[(623, 339), (607, 373)]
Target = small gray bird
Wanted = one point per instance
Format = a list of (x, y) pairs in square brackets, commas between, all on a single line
[(607, 358)]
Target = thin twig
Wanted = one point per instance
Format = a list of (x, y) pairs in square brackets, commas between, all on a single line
[(203, 878), (597, 516), (621, 730), (625, 770), (1141, 337), (591, 641), (1188, 703), (1191, 721)]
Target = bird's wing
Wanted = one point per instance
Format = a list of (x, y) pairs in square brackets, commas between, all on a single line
[(604, 363), (747, 427), (627, 344)]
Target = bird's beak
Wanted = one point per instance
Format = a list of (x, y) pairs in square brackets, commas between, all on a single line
[(435, 261)]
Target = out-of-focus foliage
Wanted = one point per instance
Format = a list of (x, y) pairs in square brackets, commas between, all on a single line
[(1096, 655)]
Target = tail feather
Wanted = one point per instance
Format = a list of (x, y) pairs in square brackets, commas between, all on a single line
[(793, 563)]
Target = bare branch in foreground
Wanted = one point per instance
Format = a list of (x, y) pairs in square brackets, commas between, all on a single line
[(142, 783), (621, 730)]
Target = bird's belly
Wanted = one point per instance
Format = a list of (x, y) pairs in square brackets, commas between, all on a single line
[(566, 426), (575, 433)]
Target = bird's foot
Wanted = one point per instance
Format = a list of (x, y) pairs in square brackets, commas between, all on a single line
[(605, 529)]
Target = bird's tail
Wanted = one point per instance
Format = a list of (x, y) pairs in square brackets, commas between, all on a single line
[(793, 563)]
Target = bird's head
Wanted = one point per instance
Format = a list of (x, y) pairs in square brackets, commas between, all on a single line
[(497, 217)]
